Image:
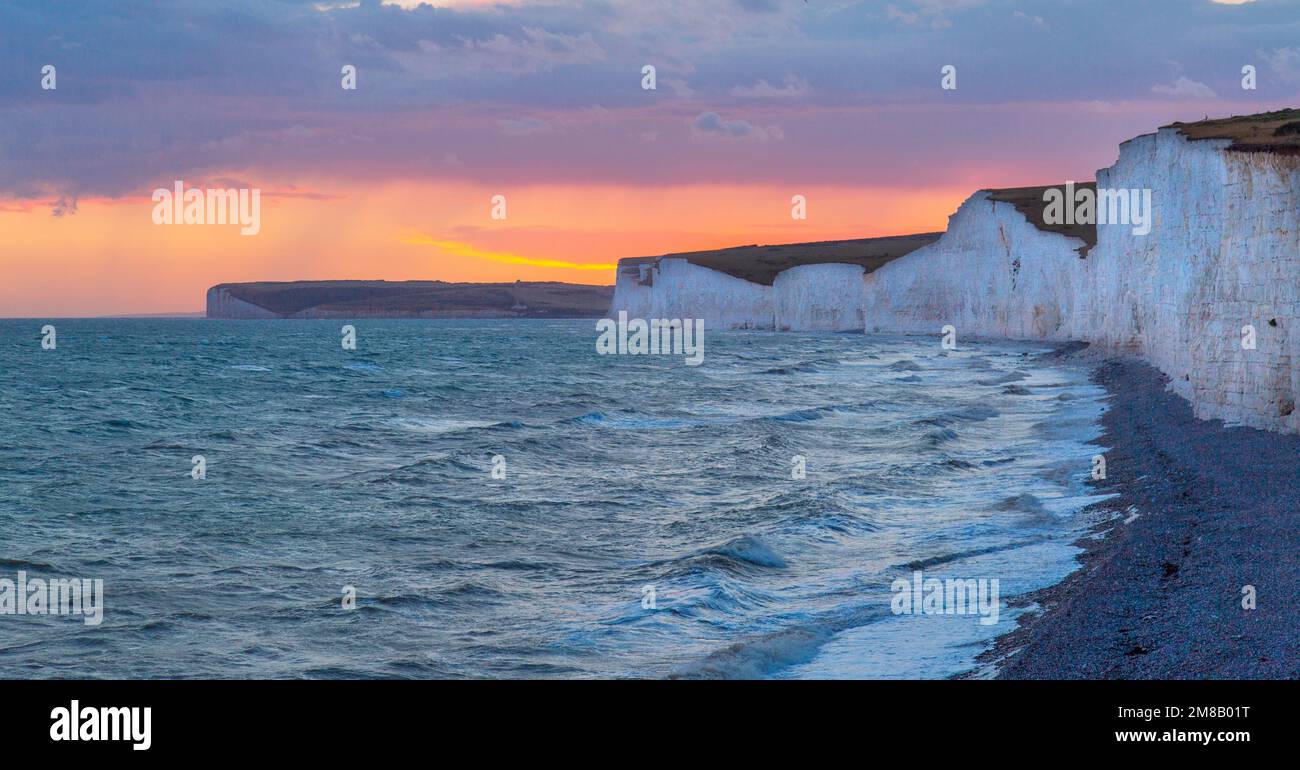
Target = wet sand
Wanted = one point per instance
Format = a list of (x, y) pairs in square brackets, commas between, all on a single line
[(1159, 595)]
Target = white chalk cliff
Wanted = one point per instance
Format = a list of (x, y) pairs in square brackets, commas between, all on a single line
[(223, 304), (675, 288), (1223, 253)]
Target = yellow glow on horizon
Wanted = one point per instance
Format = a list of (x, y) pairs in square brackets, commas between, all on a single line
[(466, 250)]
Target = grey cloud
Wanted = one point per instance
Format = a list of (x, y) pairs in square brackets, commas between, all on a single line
[(792, 86), (711, 124), (1283, 62), (65, 204), (522, 126), (1184, 87)]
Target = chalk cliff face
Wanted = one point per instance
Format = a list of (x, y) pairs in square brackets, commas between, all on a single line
[(223, 304), (992, 274), (672, 287), (1223, 252), (798, 286), (819, 298)]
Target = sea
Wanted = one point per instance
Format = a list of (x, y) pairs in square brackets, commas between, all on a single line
[(495, 499)]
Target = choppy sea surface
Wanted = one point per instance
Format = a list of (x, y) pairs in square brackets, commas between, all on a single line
[(329, 468)]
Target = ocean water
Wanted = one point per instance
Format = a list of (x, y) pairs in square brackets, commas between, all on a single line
[(373, 469)]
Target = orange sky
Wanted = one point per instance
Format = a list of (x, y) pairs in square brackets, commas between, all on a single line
[(109, 258)]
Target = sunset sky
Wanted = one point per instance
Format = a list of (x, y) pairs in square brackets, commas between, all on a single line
[(542, 102)]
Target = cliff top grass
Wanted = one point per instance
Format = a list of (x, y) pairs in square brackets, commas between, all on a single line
[(761, 264), (1029, 202), (539, 298), (1263, 132)]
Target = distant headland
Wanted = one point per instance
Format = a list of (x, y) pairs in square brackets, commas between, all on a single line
[(407, 299)]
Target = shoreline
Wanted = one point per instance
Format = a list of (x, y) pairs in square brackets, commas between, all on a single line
[(1159, 595)]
